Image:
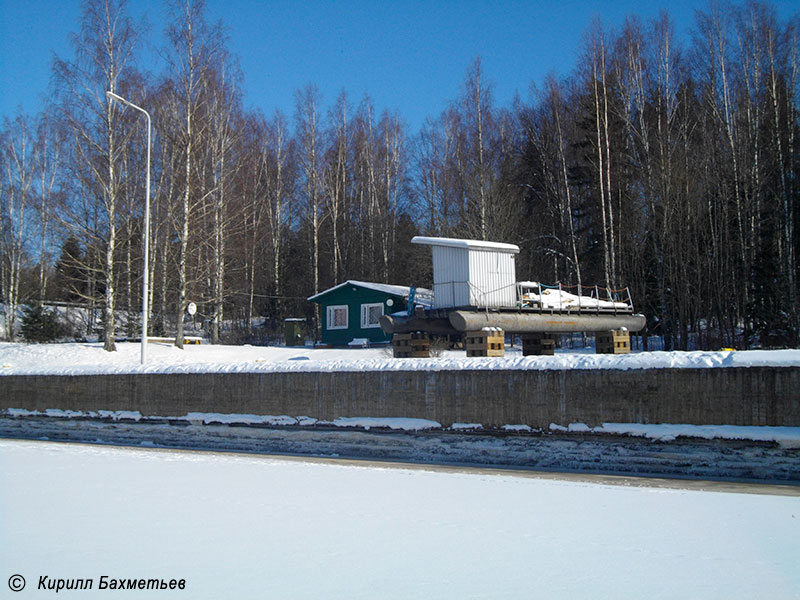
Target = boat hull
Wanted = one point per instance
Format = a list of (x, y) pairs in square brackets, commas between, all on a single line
[(461, 321), (525, 322)]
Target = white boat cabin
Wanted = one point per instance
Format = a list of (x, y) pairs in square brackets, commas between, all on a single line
[(472, 273)]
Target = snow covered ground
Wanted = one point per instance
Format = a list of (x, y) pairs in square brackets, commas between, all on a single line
[(90, 358), (240, 526)]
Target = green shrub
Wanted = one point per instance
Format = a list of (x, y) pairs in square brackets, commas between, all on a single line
[(40, 325)]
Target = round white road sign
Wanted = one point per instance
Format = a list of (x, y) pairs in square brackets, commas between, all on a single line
[(191, 308)]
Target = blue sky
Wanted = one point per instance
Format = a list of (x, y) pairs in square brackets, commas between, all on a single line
[(409, 56)]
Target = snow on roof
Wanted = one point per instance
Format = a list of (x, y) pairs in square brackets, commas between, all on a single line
[(456, 243), (386, 288)]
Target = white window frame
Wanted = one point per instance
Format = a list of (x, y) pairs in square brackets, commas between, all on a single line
[(331, 312), (365, 315)]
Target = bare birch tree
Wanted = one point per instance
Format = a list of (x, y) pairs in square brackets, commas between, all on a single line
[(194, 49), (104, 55), (308, 131), (17, 203)]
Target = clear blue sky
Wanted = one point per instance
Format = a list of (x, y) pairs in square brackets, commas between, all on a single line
[(409, 56)]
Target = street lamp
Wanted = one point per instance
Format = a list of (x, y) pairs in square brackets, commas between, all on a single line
[(145, 288)]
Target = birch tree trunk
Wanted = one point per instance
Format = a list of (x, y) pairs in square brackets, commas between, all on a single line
[(49, 168), (194, 50), (601, 168), (307, 107), (17, 157), (104, 51)]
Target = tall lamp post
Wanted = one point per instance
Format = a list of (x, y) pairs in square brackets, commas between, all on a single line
[(145, 276)]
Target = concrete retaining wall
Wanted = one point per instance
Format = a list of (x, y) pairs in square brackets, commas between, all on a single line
[(733, 396)]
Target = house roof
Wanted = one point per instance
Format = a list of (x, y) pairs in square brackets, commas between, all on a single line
[(386, 288), (457, 243)]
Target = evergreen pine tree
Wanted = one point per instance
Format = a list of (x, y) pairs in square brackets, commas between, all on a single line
[(40, 325)]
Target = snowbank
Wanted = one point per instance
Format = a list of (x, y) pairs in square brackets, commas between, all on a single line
[(787, 437), (91, 359)]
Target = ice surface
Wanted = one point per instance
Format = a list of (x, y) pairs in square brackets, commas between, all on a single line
[(239, 526)]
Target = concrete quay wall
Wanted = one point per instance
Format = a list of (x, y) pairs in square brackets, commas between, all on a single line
[(763, 396)]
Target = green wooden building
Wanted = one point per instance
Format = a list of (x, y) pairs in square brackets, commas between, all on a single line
[(349, 312)]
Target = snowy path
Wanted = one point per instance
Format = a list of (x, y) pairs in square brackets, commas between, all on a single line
[(241, 526)]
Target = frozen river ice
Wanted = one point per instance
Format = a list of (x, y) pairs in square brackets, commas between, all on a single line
[(246, 526)]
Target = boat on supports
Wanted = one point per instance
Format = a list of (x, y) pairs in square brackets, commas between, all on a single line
[(475, 287)]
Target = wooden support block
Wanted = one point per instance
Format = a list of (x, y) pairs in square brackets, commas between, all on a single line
[(485, 353), (411, 345), (616, 341), (489, 341), (538, 344), (411, 354)]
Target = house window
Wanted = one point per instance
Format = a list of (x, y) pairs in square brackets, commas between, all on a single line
[(337, 316), (370, 313)]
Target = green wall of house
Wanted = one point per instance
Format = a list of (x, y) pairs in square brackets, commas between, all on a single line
[(353, 297)]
